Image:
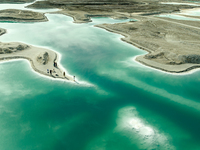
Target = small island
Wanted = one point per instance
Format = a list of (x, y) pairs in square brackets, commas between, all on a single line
[(172, 45)]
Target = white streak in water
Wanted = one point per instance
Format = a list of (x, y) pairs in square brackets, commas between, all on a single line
[(139, 132)]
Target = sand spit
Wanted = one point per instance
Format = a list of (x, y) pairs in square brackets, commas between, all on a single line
[(21, 16), (41, 59)]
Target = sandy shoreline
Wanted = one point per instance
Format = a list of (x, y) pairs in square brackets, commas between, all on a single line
[(31, 54), (166, 50), (169, 46)]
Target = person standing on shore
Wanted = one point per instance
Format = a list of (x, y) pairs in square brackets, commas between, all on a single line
[(55, 64), (74, 78), (64, 74)]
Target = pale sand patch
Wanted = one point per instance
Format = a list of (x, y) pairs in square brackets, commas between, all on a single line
[(194, 13), (31, 54), (189, 11), (178, 3)]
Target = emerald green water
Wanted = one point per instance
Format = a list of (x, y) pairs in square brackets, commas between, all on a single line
[(118, 105)]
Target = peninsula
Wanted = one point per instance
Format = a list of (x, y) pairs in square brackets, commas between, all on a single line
[(42, 60), (172, 45), (21, 16)]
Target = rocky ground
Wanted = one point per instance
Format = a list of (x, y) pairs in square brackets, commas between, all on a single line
[(167, 42), (12, 47), (16, 1), (83, 10), (21, 16), (2, 31)]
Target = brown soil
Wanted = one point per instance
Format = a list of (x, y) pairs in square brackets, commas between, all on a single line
[(21, 16)]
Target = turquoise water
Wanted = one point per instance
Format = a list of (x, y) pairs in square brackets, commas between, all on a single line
[(118, 105)]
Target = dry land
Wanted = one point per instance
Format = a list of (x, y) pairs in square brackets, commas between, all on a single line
[(21, 16), (16, 1), (172, 45), (41, 59)]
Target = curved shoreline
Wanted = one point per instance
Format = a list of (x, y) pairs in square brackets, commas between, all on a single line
[(168, 62), (18, 15), (36, 57), (181, 68), (31, 55), (173, 68)]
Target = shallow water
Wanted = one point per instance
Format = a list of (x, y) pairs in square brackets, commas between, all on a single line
[(120, 104)]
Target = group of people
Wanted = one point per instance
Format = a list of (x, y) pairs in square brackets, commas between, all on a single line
[(55, 65), (50, 71)]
